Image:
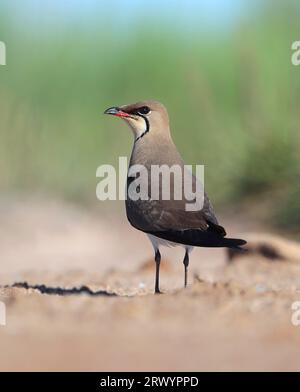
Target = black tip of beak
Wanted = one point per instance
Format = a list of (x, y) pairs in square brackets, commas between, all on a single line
[(112, 111)]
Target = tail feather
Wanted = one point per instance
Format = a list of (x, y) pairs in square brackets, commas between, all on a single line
[(234, 243), (195, 237)]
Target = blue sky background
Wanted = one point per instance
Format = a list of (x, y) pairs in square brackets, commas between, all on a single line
[(189, 14)]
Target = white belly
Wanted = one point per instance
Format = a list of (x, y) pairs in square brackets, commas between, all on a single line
[(157, 242)]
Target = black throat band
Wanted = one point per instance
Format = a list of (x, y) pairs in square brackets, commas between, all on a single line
[(146, 130)]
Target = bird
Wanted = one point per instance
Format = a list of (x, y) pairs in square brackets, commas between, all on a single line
[(165, 222)]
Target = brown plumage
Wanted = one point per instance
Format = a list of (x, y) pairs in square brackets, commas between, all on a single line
[(166, 221)]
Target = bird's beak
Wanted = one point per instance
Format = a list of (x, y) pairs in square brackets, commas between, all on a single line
[(116, 112)]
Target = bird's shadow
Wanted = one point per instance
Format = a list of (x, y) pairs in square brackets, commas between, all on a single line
[(43, 289)]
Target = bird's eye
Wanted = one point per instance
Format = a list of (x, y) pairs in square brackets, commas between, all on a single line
[(144, 110)]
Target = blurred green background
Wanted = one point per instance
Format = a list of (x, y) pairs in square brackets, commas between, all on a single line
[(222, 68)]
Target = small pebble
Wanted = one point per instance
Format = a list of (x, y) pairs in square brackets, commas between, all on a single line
[(261, 288)]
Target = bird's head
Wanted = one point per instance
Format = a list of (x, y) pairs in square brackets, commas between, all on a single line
[(147, 117)]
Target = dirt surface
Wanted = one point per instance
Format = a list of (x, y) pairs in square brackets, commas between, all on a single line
[(88, 301)]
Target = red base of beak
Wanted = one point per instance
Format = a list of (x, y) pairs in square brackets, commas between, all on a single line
[(114, 111), (121, 114)]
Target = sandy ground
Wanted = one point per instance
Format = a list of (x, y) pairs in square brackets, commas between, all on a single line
[(92, 307)]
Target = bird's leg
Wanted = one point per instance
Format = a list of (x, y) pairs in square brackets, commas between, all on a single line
[(157, 261), (186, 264)]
